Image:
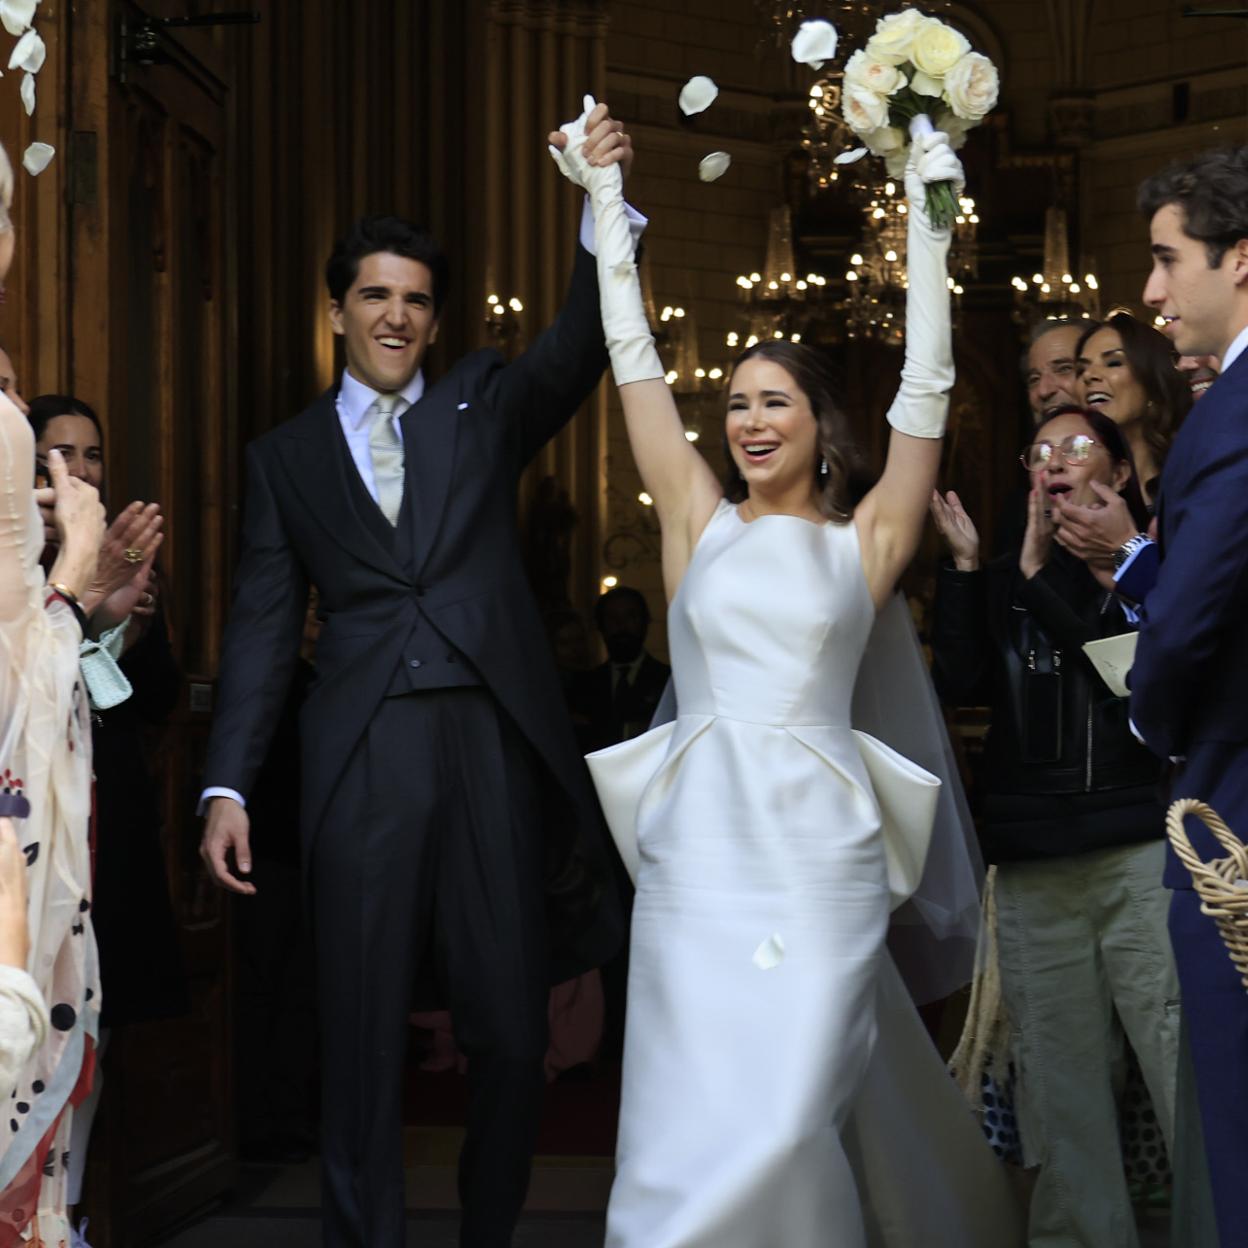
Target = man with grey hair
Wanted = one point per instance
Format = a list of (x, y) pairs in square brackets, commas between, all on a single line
[(1049, 367)]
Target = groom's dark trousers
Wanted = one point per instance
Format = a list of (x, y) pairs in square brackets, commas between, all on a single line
[(449, 825)]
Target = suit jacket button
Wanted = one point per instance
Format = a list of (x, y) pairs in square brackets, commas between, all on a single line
[(419, 591), (415, 662)]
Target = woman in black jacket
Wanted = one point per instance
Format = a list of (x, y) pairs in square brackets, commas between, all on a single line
[(1073, 822)]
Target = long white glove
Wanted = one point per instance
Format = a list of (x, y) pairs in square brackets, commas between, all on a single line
[(921, 407), (629, 340)]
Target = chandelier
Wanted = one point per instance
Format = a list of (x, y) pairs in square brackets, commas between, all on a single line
[(779, 303), (676, 337), (876, 281), (1054, 293)]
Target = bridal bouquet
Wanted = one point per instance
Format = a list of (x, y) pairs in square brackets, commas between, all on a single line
[(916, 74)]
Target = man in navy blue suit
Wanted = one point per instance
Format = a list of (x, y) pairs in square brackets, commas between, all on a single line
[(1189, 684)]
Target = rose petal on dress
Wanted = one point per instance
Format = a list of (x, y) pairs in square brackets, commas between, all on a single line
[(37, 157), (770, 953), (848, 158), (697, 95), (17, 15), (29, 53), (714, 166), (28, 93), (814, 43)]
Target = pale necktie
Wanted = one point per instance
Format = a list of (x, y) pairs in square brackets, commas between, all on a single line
[(385, 449)]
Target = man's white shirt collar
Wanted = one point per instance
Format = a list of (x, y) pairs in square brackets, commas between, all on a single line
[(355, 398), (1238, 346)]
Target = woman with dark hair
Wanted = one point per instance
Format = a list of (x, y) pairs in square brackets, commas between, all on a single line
[(140, 962), (768, 839), (1073, 824), (1127, 372)]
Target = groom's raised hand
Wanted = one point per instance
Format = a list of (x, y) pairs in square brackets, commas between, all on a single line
[(606, 142)]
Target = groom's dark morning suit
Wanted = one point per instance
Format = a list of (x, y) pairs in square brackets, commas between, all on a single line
[(1189, 698), (448, 821)]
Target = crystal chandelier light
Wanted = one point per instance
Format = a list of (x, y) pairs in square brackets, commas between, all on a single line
[(876, 282), (1054, 293), (779, 303)]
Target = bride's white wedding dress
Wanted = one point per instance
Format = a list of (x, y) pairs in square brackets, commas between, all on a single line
[(779, 1090)]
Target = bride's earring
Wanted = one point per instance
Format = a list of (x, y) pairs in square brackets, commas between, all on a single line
[(823, 469)]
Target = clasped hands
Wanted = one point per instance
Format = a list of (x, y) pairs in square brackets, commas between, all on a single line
[(595, 139)]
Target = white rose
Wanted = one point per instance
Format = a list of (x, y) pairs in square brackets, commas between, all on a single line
[(864, 110), (874, 75), (895, 163), (957, 128), (885, 140), (894, 37), (937, 47), (971, 87), (814, 43)]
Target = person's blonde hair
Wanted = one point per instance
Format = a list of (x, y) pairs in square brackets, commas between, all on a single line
[(6, 190)]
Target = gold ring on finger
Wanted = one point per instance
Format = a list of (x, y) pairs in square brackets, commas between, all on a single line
[(133, 554)]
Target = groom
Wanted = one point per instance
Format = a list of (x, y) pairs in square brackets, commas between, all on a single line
[(449, 827)]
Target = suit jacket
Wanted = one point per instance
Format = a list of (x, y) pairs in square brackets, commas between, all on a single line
[(593, 700), (463, 590), (1189, 682)]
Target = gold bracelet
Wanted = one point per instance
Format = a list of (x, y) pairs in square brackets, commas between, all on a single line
[(65, 592)]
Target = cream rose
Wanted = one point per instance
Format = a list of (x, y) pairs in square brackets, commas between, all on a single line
[(894, 37), (874, 75), (937, 48), (971, 87), (864, 110), (957, 128), (885, 140)]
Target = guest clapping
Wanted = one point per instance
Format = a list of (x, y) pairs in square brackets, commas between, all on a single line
[(1072, 821), (122, 584)]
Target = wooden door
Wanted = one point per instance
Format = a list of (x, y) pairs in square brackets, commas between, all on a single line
[(150, 300)]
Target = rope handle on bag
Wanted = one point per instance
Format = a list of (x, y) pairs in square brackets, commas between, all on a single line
[(1235, 848)]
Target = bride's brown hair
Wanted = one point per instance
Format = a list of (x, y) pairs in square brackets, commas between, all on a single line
[(841, 488)]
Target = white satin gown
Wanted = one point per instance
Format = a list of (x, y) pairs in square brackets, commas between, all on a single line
[(778, 1088)]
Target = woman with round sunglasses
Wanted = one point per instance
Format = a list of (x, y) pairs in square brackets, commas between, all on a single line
[(1073, 824)]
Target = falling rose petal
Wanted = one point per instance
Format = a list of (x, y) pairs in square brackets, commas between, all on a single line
[(28, 93), (697, 95), (814, 43), (37, 157), (17, 15), (713, 166), (770, 953), (848, 158), (29, 54)]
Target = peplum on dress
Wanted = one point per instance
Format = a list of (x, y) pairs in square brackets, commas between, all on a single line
[(779, 1090)]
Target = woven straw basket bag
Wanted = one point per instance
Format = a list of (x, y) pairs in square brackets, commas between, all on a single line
[(1222, 884)]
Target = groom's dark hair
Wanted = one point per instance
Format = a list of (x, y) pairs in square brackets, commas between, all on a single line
[(395, 235)]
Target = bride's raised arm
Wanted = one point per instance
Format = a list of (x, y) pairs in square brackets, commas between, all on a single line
[(890, 519), (674, 474)]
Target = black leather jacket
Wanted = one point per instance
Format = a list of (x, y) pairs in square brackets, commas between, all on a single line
[(1062, 771)]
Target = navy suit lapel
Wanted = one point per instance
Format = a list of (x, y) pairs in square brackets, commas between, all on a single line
[(430, 431), (319, 463)]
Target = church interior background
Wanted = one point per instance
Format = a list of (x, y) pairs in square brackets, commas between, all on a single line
[(169, 272)]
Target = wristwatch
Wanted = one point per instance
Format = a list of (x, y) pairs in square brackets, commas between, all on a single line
[(1128, 548)]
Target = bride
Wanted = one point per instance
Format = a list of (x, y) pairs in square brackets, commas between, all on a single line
[(778, 1089)]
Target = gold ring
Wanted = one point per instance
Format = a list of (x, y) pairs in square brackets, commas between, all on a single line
[(133, 555)]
